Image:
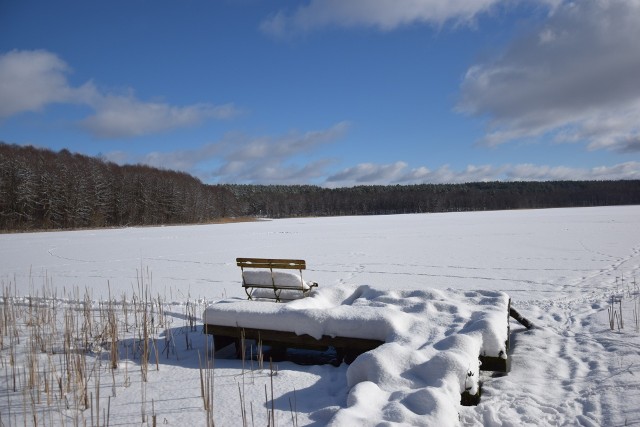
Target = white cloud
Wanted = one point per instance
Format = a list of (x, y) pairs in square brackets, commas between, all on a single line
[(369, 173), (400, 173), (273, 160), (118, 116), (31, 80), (181, 160), (266, 148), (529, 172), (240, 158), (575, 79), (382, 14)]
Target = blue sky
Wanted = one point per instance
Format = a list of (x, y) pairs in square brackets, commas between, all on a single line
[(330, 92)]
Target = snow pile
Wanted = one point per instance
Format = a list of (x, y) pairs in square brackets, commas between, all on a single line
[(281, 278), (432, 342)]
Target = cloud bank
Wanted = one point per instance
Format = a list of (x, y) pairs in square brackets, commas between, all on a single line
[(575, 79), (239, 158), (32, 80), (400, 173), (384, 15), (283, 159)]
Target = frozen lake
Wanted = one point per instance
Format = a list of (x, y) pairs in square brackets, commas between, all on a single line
[(530, 254), (560, 267)]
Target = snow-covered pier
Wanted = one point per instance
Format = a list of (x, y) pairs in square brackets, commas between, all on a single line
[(443, 334)]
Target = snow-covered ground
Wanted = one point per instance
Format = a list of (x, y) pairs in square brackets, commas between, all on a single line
[(559, 266)]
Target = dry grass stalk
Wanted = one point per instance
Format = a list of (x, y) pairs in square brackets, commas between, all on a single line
[(636, 315), (293, 406), (243, 409), (202, 393), (273, 409), (615, 316), (143, 398), (153, 413), (59, 364)]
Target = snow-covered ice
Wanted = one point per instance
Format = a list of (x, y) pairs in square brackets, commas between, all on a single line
[(559, 266)]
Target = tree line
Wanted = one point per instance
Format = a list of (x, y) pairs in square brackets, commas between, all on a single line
[(291, 201), (43, 189)]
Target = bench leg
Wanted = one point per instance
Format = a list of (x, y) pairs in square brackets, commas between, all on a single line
[(239, 348), (468, 399), (350, 355), (221, 341), (278, 352), (339, 356)]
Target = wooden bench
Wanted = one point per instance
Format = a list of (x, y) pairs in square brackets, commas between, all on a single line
[(278, 285)]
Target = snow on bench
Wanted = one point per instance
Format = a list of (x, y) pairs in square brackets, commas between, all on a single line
[(278, 285), (438, 339)]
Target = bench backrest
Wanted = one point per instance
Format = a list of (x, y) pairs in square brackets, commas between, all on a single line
[(292, 264)]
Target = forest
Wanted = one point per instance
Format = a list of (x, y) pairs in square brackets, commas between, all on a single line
[(43, 190)]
